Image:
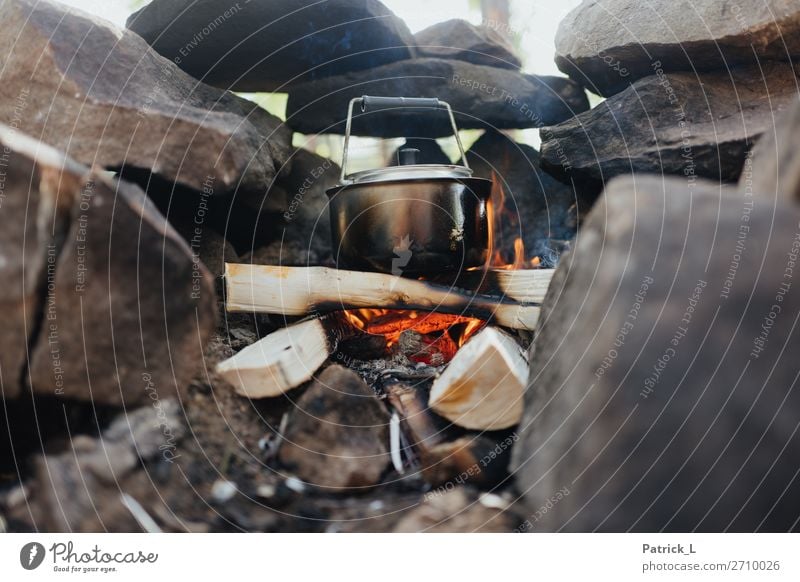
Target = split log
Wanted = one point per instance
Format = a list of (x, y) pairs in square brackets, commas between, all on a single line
[(279, 362), (300, 291), (666, 373), (523, 285), (289, 357), (483, 386), (101, 95), (639, 130)]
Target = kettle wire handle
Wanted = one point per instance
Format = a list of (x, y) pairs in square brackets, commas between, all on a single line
[(396, 103)]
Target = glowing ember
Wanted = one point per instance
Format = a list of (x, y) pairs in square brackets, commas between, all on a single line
[(436, 336), (391, 323)]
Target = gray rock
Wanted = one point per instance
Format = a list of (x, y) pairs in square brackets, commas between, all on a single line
[(297, 206), (657, 400), (458, 39), (268, 45), (675, 123), (480, 96), (105, 98), (131, 306), (111, 307), (94, 473), (338, 434), (608, 44), (32, 222)]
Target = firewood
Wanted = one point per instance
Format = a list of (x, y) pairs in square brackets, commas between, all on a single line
[(305, 290), (523, 285), (484, 384), (279, 362)]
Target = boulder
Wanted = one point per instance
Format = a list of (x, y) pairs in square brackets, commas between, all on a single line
[(663, 382), (338, 433), (480, 96), (121, 307), (99, 476), (105, 98), (678, 123), (297, 208), (608, 44), (458, 39), (533, 206), (269, 45), (32, 219)]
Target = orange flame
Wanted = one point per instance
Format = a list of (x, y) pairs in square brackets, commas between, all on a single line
[(497, 213)]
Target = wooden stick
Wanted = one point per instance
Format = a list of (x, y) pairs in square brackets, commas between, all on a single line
[(444, 451), (279, 362), (304, 290), (483, 386), (523, 285)]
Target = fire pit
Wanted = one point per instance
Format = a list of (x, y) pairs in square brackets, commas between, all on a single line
[(433, 317)]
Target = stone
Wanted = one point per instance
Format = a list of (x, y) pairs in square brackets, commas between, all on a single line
[(267, 46), (208, 246), (338, 434), (678, 123), (32, 219), (105, 98), (534, 206), (131, 306), (458, 510), (480, 96), (680, 413), (120, 308), (608, 44), (297, 208), (458, 39), (773, 166), (94, 472)]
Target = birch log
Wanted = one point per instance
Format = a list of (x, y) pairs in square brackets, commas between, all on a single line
[(279, 362), (304, 290), (483, 386)]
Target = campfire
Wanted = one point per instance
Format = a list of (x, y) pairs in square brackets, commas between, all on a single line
[(465, 334), (434, 338)]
